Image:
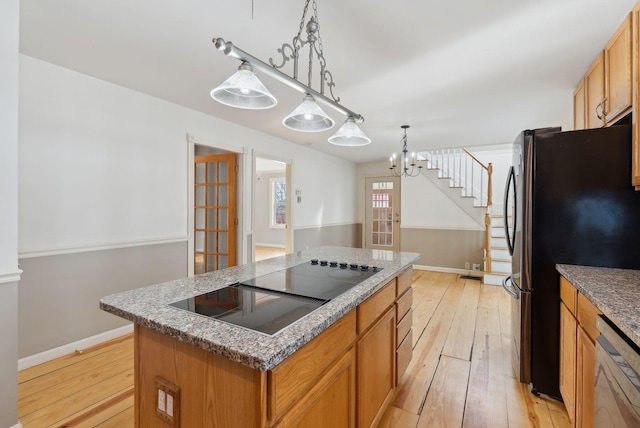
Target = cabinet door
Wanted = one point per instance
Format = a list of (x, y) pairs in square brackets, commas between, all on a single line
[(585, 382), (331, 402), (376, 363), (594, 85), (568, 332), (617, 57), (579, 110)]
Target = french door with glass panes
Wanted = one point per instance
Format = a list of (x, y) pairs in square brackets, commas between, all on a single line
[(215, 212), (382, 214)]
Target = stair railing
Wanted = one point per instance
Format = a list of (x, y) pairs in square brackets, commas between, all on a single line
[(474, 179)]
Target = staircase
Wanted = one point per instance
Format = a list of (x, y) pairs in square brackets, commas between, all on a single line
[(500, 258), (467, 182)]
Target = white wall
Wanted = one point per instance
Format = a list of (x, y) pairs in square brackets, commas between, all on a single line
[(9, 272), (101, 164)]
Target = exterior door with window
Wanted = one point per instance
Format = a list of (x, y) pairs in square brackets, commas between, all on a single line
[(215, 212), (382, 213)]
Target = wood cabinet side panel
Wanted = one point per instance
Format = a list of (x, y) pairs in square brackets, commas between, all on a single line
[(204, 379), (635, 61), (579, 107), (292, 378), (568, 334), (376, 363)]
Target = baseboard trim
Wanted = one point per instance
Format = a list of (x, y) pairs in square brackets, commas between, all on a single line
[(70, 348), (449, 270), (18, 425), (260, 244)]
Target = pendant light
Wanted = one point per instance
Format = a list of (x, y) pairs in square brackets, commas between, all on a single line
[(244, 90), (349, 135), (308, 117)]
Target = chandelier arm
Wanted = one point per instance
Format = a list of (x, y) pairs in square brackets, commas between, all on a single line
[(230, 50)]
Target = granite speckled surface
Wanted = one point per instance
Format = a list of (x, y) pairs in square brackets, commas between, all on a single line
[(615, 292), (149, 306)]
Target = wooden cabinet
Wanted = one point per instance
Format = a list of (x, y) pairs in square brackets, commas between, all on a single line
[(344, 377), (568, 331), (635, 61), (617, 64), (376, 369), (579, 108), (606, 93), (594, 93), (578, 333)]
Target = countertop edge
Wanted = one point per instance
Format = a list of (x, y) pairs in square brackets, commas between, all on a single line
[(263, 352), (614, 292)]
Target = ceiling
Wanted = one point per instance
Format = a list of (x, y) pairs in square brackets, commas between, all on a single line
[(461, 73)]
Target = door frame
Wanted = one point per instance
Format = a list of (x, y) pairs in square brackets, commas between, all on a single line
[(397, 181), (289, 195), (192, 140)]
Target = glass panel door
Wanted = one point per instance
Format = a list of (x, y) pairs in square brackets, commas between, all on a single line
[(382, 214), (215, 212)]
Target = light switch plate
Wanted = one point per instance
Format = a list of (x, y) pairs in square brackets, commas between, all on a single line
[(168, 402)]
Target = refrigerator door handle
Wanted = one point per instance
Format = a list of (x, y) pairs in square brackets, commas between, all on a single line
[(509, 288), (510, 189)]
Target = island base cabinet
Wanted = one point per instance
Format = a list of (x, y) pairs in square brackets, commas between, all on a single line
[(331, 402), (568, 328), (585, 379), (203, 379), (376, 369)]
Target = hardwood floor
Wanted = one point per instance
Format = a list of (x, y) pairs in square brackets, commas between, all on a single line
[(268, 252), (460, 374)]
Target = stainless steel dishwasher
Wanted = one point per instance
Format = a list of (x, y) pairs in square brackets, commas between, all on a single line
[(617, 383)]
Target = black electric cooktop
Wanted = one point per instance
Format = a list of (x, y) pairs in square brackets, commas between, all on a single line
[(271, 302)]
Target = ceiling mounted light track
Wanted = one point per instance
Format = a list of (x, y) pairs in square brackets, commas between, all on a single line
[(244, 89), (408, 164)]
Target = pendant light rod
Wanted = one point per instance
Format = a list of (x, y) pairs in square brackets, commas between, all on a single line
[(233, 51)]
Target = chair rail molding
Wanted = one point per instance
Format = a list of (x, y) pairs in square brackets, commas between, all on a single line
[(10, 275)]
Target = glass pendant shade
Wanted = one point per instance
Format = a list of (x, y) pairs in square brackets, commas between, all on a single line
[(349, 135), (244, 90), (308, 117)]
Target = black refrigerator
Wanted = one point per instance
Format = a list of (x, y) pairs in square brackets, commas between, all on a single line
[(568, 200)]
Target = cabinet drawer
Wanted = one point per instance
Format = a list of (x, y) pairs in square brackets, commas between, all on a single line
[(404, 303), (292, 378), (587, 316), (568, 294), (375, 306), (403, 355), (404, 281), (404, 325)]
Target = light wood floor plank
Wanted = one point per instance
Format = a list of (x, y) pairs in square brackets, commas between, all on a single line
[(460, 339), (486, 404), (395, 417), (444, 406), (120, 413), (123, 342)]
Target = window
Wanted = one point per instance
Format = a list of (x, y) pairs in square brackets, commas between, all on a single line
[(278, 209)]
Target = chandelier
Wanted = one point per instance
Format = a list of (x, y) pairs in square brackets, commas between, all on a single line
[(244, 90), (408, 167)]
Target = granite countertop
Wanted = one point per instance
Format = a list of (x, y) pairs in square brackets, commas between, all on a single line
[(615, 292), (149, 306)]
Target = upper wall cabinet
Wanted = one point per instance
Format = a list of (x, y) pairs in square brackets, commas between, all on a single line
[(607, 85), (594, 95), (579, 110), (617, 64)]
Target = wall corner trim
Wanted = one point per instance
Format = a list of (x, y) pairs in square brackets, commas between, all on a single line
[(70, 348), (10, 275), (18, 425)]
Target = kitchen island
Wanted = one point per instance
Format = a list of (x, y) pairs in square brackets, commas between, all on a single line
[(336, 366)]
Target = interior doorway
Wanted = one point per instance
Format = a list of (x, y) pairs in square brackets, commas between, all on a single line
[(382, 213), (271, 208)]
